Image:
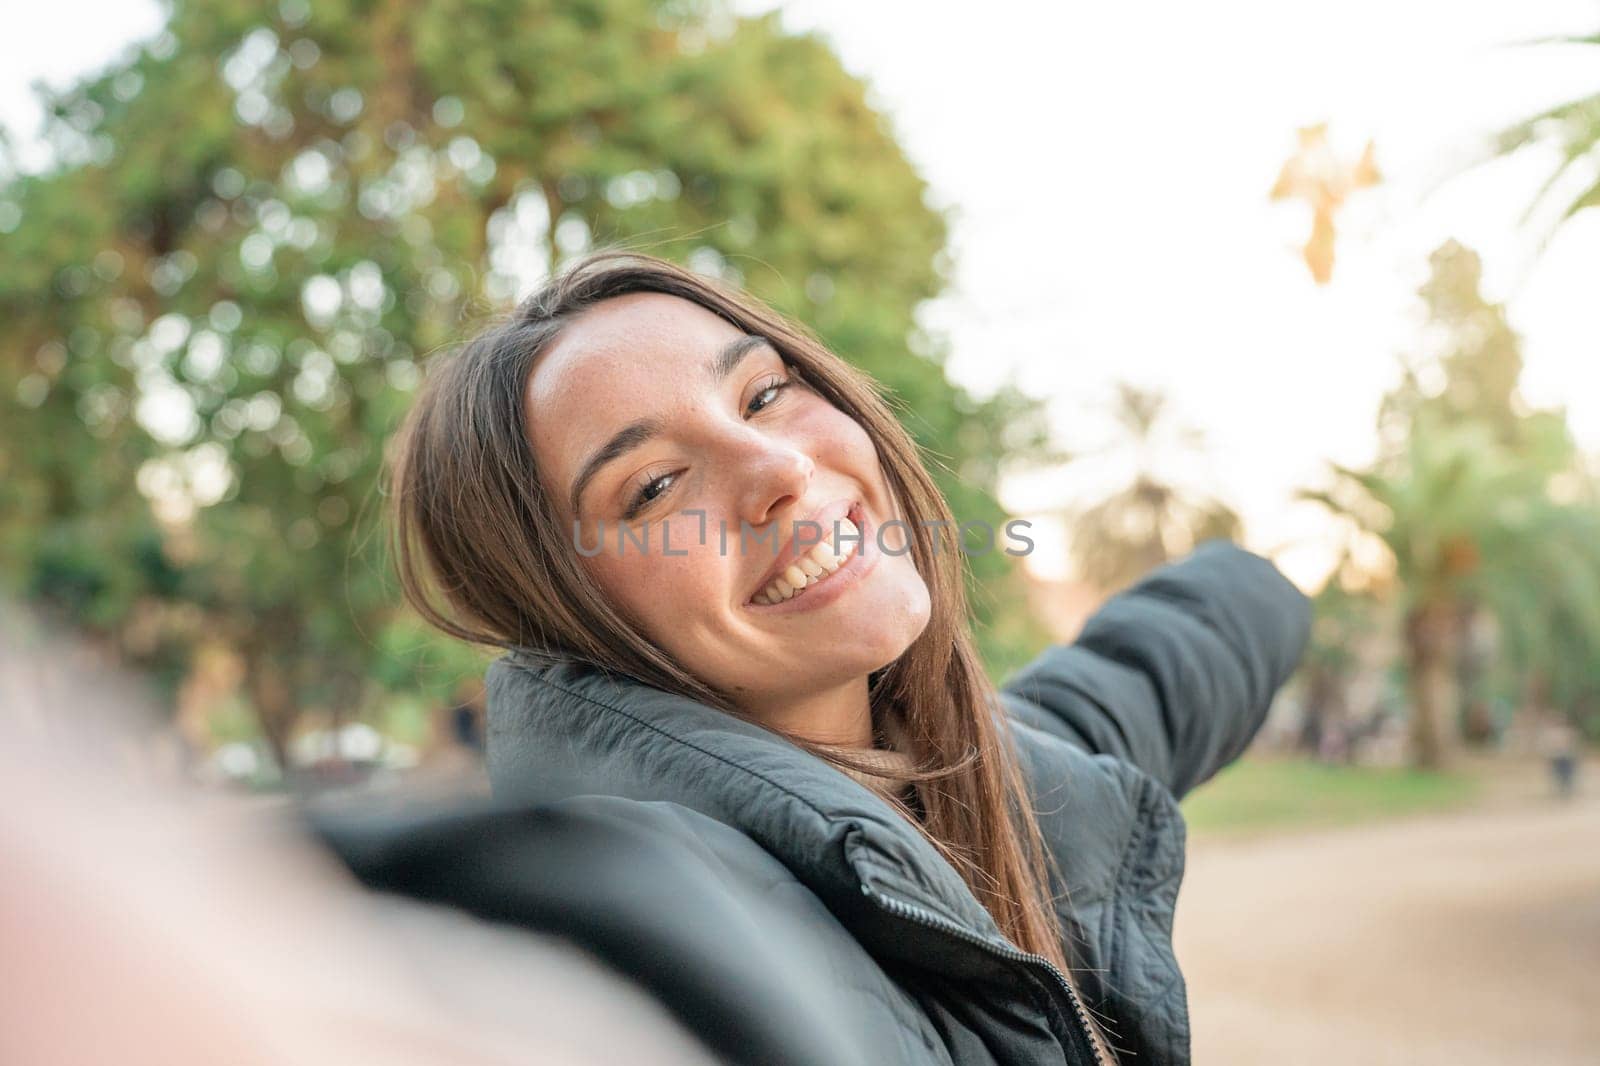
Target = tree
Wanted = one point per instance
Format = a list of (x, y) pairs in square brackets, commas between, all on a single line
[(1432, 505), (1466, 495), (258, 226), (1344, 617), (1123, 536), (1573, 128)]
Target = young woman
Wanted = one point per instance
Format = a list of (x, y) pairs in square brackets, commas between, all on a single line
[(726, 587)]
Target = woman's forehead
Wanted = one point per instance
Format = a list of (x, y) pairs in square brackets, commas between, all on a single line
[(622, 340), (640, 328), (621, 361)]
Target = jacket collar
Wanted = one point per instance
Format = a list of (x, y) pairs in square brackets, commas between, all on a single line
[(563, 721)]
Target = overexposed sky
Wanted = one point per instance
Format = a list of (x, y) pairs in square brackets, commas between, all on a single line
[(1108, 168)]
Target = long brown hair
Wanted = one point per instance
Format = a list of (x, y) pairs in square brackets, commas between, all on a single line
[(482, 556)]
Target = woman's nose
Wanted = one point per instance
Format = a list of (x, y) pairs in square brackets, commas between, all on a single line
[(773, 477)]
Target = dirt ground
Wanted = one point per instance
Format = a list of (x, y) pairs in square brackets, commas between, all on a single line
[(1461, 939)]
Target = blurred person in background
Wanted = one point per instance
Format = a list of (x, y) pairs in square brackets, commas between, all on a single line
[(983, 876), (1561, 748)]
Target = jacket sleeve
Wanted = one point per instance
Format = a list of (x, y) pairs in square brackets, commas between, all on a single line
[(1176, 673)]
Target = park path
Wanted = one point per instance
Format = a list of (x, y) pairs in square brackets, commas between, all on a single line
[(1462, 939)]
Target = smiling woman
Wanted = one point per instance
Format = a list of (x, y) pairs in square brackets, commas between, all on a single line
[(779, 605), (653, 408)]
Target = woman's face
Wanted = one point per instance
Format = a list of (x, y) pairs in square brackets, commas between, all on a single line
[(653, 418)]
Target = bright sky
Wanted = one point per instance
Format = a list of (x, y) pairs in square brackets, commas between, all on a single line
[(1108, 166)]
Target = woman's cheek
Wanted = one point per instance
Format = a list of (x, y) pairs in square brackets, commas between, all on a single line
[(849, 445), (667, 588)]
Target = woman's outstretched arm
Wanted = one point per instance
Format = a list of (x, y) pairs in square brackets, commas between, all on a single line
[(1176, 673)]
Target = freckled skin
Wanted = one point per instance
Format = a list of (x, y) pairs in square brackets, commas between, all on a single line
[(648, 355)]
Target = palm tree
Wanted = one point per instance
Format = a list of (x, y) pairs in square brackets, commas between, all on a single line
[(1130, 532), (1574, 129), (1433, 506), (1547, 613), (1473, 530)]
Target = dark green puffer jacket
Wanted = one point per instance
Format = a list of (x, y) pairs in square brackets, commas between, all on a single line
[(839, 923)]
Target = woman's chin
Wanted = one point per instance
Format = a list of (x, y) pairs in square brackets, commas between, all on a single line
[(881, 625), (851, 641), (867, 628)]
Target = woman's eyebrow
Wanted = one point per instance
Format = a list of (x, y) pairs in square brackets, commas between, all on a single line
[(634, 434), (733, 353)]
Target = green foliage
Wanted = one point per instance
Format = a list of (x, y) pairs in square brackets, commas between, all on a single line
[(1344, 618), (406, 719), (261, 224), (1573, 128), (1485, 506)]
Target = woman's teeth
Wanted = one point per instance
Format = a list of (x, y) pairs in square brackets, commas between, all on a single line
[(814, 566)]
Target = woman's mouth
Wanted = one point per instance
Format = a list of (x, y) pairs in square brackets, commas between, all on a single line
[(815, 567), (826, 570)]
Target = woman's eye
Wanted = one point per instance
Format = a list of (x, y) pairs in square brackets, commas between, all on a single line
[(767, 396), (656, 487), (650, 490)]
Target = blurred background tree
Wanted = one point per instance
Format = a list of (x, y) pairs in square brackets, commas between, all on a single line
[(1573, 128), (1115, 540), (257, 228), (1481, 502), (1345, 617)]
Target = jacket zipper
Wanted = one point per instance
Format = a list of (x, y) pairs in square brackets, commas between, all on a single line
[(933, 921)]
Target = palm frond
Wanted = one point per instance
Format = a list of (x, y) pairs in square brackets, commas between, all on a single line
[(1573, 126), (1590, 198)]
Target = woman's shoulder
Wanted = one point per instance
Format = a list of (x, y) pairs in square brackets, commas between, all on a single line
[(726, 851), (1112, 828)]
